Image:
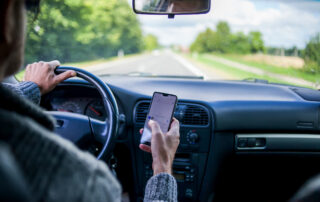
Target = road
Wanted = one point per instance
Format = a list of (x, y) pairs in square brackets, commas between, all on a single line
[(155, 63), (168, 63)]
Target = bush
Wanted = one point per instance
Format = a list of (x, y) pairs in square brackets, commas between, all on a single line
[(224, 41), (311, 67), (312, 55)]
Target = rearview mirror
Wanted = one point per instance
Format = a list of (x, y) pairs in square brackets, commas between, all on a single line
[(171, 7)]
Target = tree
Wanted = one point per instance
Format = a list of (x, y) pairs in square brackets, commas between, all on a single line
[(220, 40), (151, 42), (224, 41), (203, 42), (256, 42), (76, 30), (240, 43), (311, 54), (223, 28)]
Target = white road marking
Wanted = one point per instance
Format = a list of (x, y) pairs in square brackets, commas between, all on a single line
[(189, 66), (141, 68)]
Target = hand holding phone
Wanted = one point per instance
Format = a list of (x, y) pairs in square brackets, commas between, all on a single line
[(161, 110), (163, 146)]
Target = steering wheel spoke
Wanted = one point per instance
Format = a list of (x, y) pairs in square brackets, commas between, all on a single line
[(75, 127), (99, 129), (71, 126)]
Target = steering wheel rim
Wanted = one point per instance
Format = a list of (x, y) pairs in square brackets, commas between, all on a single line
[(103, 131)]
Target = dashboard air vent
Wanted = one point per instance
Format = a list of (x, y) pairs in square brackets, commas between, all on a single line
[(141, 112), (187, 114), (195, 115)]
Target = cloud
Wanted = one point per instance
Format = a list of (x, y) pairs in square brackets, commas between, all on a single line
[(283, 23)]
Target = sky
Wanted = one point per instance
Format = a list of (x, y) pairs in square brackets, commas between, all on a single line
[(283, 23)]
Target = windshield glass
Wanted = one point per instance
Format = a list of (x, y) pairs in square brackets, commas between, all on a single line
[(278, 41)]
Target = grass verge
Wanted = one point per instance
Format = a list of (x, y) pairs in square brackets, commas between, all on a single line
[(235, 72), (19, 76), (290, 71)]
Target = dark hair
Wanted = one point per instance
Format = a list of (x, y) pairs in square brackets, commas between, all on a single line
[(33, 6)]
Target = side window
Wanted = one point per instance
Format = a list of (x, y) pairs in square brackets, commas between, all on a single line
[(19, 76)]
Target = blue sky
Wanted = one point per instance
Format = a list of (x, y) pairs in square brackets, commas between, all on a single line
[(283, 23)]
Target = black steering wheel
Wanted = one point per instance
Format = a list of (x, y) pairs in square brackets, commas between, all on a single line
[(75, 127)]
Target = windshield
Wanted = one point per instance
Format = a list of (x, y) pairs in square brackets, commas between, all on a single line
[(253, 40)]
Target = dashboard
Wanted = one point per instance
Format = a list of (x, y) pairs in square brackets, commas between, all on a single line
[(69, 100), (244, 138), (92, 107)]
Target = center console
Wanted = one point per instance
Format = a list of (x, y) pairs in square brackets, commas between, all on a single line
[(190, 160)]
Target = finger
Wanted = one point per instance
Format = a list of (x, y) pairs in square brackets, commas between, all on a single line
[(141, 131), (53, 64), (174, 128), (65, 75), (175, 124), (145, 148), (154, 126)]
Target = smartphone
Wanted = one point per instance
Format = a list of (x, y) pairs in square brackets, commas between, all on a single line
[(161, 110)]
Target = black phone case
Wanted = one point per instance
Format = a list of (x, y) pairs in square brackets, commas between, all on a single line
[(172, 113)]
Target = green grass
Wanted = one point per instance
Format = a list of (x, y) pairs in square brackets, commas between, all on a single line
[(87, 63), (235, 72), (19, 76), (290, 71), (98, 61)]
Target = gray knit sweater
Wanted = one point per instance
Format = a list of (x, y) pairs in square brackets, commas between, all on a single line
[(53, 167)]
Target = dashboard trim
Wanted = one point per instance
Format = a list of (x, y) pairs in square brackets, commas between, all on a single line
[(179, 102)]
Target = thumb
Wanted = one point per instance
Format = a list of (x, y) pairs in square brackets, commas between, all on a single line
[(154, 126), (175, 126), (65, 75)]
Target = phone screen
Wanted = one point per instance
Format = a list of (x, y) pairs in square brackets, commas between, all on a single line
[(161, 110)]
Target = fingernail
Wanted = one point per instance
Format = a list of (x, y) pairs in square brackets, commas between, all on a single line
[(73, 73)]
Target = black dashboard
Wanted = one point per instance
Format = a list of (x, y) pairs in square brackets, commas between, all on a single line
[(235, 136), (68, 99)]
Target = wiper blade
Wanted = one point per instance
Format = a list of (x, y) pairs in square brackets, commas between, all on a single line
[(263, 81), (129, 74), (181, 77), (144, 74), (255, 80), (139, 74)]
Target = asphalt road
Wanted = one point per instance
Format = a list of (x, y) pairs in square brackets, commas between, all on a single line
[(156, 63), (168, 63)]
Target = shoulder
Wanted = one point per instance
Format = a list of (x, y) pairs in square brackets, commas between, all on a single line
[(66, 173)]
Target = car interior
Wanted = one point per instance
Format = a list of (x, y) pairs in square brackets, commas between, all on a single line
[(256, 141), (240, 140)]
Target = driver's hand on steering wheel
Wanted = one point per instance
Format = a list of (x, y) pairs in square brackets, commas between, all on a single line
[(163, 146), (42, 73)]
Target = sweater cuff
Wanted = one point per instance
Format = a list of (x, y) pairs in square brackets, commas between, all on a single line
[(161, 187), (31, 91)]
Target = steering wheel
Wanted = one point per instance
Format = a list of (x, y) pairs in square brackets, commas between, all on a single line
[(76, 127)]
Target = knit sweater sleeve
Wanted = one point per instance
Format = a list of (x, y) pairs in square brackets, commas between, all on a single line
[(27, 89), (161, 187)]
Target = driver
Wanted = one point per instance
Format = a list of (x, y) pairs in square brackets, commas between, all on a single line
[(53, 168)]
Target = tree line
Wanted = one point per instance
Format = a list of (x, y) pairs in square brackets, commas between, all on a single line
[(224, 41), (78, 30)]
